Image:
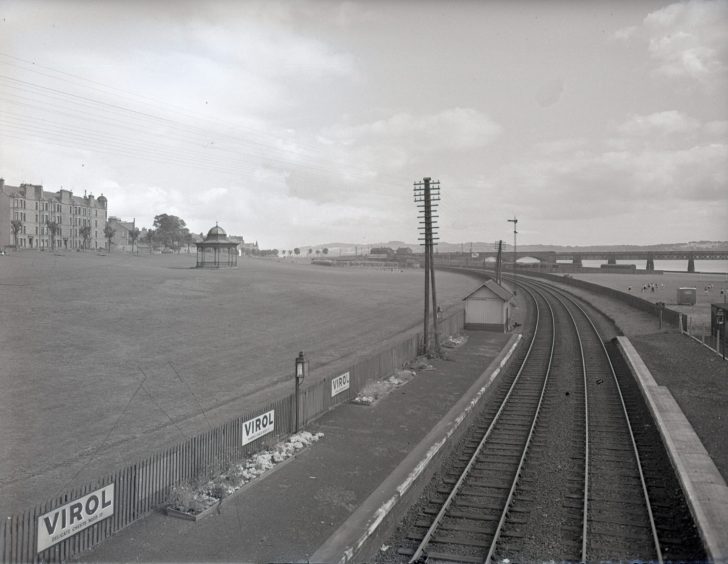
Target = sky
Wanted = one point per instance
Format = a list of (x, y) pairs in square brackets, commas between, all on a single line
[(304, 123)]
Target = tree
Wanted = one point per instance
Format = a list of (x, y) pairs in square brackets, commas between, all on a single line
[(53, 228), (325, 251), (187, 239), (16, 225), (297, 251), (150, 239), (134, 235), (170, 230), (310, 251), (318, 252), (404, 251), (85, 232), (109, 234)]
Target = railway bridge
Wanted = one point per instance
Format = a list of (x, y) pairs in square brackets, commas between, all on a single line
[(577, 257)]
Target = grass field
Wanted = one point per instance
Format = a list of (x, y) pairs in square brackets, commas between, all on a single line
[(104, 358), (666, 290)]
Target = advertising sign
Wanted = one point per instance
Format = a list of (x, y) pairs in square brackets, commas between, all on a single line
[(339, 384), (258, 426), (69, 519)]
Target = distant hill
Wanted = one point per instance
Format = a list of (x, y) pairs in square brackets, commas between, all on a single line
[(479, 246)]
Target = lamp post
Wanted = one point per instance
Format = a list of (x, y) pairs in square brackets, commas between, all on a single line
[(660, 309), (300, 374), (514, 221)]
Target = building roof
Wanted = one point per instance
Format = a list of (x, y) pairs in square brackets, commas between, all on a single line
[(495, 288), (217, 233), (216, 237)]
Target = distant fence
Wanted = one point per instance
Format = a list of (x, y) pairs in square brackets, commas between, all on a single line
[(669, 316), (145, 485)]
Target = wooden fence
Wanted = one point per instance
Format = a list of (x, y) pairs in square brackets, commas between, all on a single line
[(144, 486)]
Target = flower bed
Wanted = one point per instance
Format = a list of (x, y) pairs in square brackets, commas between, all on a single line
[(197, 499)]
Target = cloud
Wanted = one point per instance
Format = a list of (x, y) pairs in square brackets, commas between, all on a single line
[(454, 128), (558, 146), (659, 123), (687, 39), (664, 160), (625, 33), (599, 184), (550, 92)]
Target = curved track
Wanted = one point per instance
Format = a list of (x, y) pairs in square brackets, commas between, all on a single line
[(555, 472)]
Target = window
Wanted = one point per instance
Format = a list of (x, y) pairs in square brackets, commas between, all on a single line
[(36, 206)]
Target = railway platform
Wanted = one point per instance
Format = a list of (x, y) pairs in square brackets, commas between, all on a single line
[(333, 494)]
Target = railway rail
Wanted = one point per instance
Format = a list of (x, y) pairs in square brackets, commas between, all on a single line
[(553, 469)]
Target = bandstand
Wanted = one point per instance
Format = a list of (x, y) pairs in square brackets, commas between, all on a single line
[(217, 251)]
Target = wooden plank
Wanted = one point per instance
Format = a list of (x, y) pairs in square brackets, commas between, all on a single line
[(24, 540)]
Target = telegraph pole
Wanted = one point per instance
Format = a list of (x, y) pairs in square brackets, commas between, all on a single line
[(427, 194), (514, 221), (499, 264)]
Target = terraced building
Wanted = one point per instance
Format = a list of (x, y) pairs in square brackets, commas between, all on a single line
[(34, 208)]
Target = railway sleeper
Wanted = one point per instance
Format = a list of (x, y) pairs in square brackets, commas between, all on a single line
[(458, 514), (450, 557), (617, 534), (497, 500), (490, 483), (462, 539)]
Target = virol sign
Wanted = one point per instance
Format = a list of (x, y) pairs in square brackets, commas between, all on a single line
[(69, 519), (258, 426), (339, 384)]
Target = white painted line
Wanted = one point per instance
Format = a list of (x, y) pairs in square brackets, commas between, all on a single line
[(704, 487), (402, 488)]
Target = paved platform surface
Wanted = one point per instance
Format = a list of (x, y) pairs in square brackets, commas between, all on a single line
[(287, 515)]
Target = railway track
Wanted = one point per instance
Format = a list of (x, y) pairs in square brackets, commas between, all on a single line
[(555, 470)]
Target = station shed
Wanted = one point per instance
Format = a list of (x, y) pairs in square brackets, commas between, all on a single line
[(687, 296), (488, 307), (217, 251)]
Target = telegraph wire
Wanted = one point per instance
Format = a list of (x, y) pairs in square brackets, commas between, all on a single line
[(138, 115), (267, 156), (128, 94), (120, 114)]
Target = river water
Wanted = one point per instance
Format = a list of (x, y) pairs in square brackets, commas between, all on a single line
[(712, 266), (709, 266)]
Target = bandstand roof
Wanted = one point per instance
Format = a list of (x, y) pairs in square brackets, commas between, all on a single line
[(216, 237)]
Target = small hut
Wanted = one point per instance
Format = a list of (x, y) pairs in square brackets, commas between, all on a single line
[(488, 307), (217, 251)]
